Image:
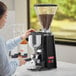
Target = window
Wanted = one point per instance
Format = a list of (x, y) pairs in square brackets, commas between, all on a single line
[(64, 23)]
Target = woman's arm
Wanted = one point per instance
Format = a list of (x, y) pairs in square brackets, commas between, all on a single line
[(12, 43), (7, 68)]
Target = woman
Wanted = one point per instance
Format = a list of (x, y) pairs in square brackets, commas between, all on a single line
[(7, 68)]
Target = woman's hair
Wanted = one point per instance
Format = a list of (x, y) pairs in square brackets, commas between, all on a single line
[(3, 9)]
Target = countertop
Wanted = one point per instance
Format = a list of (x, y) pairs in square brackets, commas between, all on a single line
[(63, 69)]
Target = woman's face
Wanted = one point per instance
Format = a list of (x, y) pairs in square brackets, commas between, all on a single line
[(3, 20)]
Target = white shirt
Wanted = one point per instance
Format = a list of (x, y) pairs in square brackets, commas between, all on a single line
[(7, 67)]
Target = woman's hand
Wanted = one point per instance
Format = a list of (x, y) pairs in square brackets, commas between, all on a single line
[(21, 61), (28, 32)]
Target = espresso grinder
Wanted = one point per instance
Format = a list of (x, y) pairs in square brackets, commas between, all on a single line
[(43, 41)]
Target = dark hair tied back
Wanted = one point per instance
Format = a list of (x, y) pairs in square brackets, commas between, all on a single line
[(3, 9)]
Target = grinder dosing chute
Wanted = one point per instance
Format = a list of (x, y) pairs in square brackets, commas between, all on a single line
[(45, 13)]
